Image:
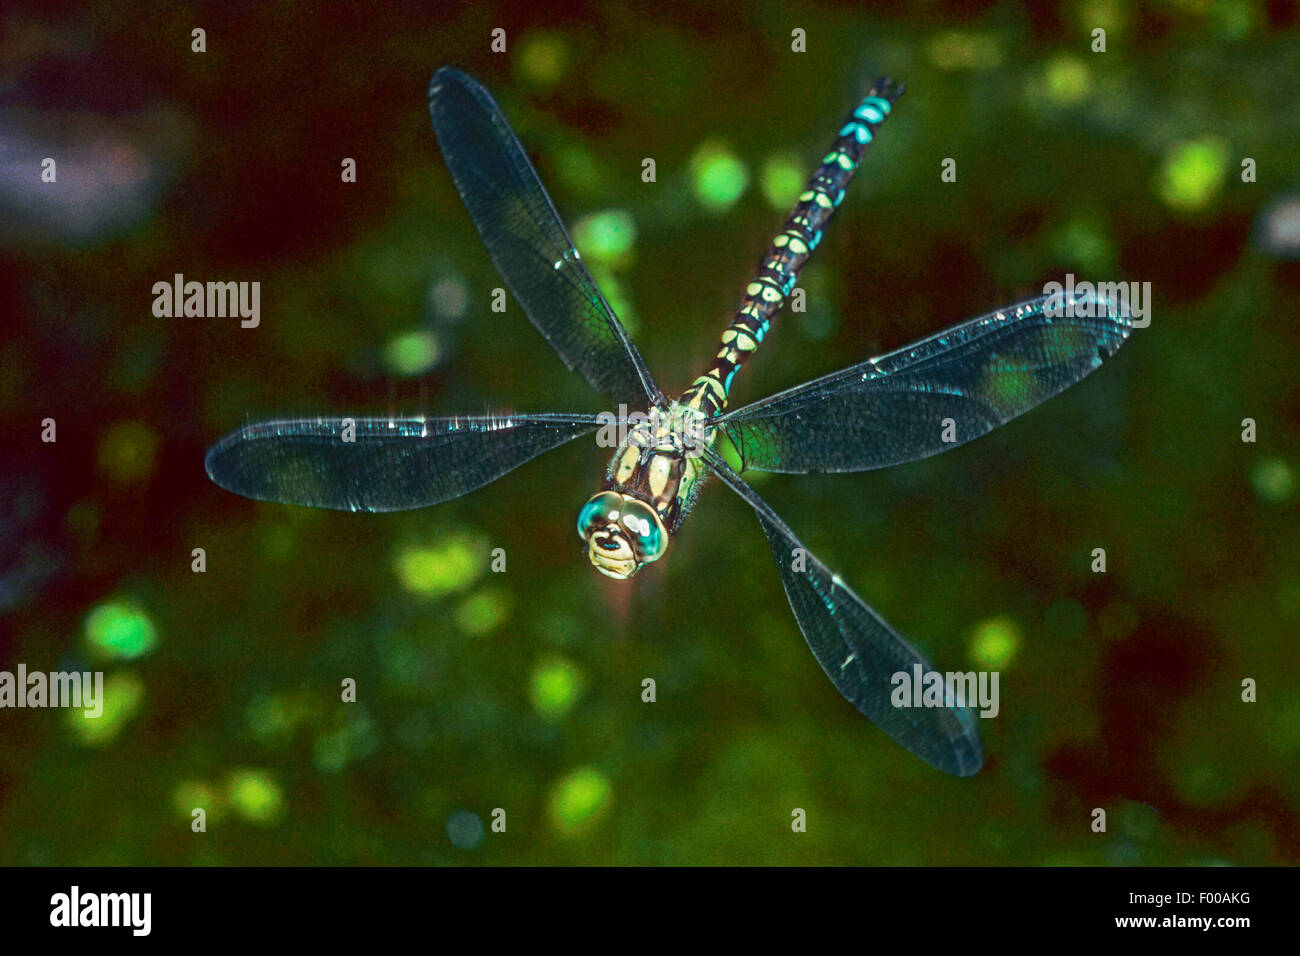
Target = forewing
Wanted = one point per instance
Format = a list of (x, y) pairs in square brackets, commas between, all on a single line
[(528, 242), (382, 464)]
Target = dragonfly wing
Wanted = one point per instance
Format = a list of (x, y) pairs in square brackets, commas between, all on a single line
[(892, 409), (859, 652), (528, 242), (382, 464)]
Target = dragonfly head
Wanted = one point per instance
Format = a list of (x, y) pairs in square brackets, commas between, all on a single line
[(623, 534)]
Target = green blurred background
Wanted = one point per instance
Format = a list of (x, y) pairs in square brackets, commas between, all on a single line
[(522, 690)]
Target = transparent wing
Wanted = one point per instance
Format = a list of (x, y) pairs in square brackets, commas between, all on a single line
[(528, 242), (859, 652), (389, 464), (891, 409)]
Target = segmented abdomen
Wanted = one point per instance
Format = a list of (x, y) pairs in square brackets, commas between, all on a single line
[(789, 251)]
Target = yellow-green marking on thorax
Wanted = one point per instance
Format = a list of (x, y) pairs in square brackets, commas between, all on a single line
[(650, 487)]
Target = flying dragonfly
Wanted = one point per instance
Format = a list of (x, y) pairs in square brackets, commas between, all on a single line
[(902, 406)]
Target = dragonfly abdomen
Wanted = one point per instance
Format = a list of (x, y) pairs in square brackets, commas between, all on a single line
[(786, 256)]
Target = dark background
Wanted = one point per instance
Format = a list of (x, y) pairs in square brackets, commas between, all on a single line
[(521, 690)]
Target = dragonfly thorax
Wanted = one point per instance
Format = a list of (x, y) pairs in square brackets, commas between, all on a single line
[(649, 488)]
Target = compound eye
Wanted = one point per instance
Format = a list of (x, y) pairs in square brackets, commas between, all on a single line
[(644, 529), (599, 512)]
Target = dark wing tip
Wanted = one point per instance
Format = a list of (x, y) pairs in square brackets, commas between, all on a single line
[(446, 76), (969, 758), (209, 463), (215, 463), (1117, 315)]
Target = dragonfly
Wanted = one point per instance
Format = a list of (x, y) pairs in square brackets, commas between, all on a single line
[(917, 401)]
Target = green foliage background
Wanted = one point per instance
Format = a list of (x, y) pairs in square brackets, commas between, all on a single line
[(522, 690)]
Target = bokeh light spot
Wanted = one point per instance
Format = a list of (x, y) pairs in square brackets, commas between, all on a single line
[(579, 800), (556, 686), (1277, 228), (719, 178), (1193, 172), (448, 297), (576, 168), (995, 642), (255, 796), (271, 719), (1084, 243), (413, 353), (543, 58), (1272, 480), (1110, 15), (123, 696), (960, 50), (483, 612), (607, 236), (450, 565), (1067, 80), (782, 180), (118, 630), (465, 830)]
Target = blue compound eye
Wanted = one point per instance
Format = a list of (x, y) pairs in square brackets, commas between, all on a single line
[(644, 529), (598, 512)]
